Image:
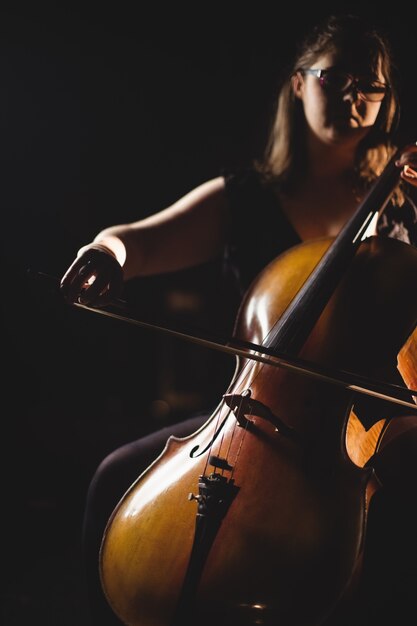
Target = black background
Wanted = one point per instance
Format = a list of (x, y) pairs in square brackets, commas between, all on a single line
[(108, 115)]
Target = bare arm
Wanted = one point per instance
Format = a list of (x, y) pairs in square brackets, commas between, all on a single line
[(189, 232)]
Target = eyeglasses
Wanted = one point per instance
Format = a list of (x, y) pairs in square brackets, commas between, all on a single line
[(336, 81)]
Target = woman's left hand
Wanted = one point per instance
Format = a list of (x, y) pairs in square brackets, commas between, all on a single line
[(408, 163)]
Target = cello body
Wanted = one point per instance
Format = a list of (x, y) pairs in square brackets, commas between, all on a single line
[(260, 516)]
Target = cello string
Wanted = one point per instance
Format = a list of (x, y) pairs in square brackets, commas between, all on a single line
[(230, 411), (243, 437)]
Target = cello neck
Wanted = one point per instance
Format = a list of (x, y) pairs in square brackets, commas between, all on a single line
[(295, 325)]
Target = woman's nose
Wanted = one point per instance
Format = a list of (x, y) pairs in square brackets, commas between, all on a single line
[(351, 93)]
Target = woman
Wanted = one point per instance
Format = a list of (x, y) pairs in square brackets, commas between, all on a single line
[(331, 138)]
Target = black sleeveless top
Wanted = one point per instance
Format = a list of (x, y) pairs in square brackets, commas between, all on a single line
[(260, 230)]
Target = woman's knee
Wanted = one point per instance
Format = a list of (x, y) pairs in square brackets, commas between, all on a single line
[(109, 482)]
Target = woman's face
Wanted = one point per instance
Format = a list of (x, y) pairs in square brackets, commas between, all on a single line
[(335, 116)]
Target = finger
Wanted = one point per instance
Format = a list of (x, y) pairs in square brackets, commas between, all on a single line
[(71, 285), (92, 292), (409, 156), (410, 175), (114, 289), (105, 292), (75, 281)]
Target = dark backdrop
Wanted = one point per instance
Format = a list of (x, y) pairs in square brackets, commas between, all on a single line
[(106, 116)]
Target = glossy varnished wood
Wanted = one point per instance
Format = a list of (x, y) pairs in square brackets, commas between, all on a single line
[(291, 542)]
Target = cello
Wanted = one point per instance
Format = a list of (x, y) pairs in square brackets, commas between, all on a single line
[(260, 516)]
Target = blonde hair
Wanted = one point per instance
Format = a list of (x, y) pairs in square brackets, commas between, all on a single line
[(284, 157)]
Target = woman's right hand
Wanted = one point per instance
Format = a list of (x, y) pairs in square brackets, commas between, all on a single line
[(95, 278)]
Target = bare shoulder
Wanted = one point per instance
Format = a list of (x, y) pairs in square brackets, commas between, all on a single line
[(211, 191)]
